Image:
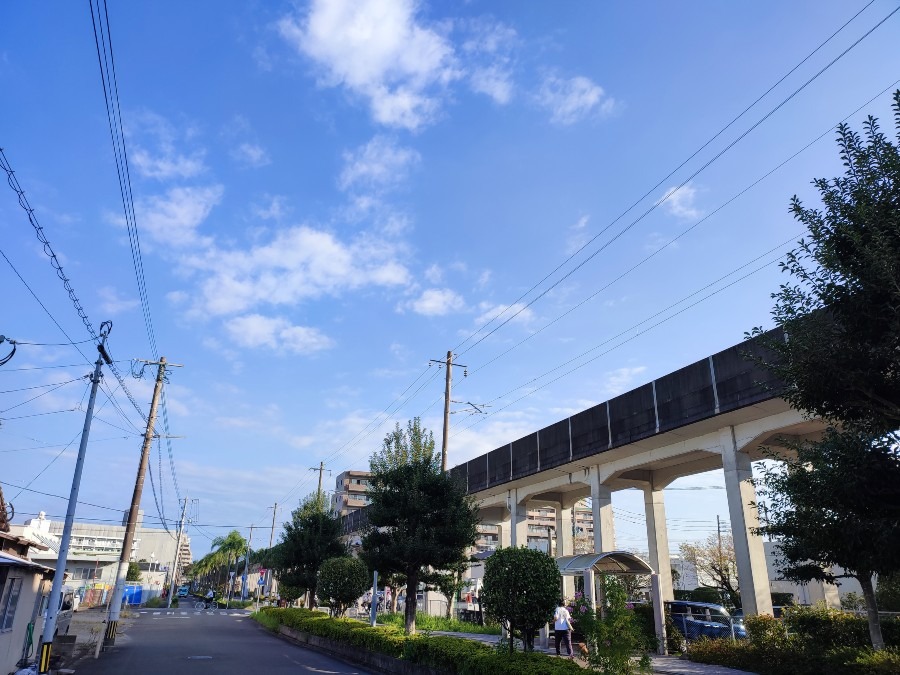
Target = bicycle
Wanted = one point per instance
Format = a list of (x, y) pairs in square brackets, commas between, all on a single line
[(205, 604)]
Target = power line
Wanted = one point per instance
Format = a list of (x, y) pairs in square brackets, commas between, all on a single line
[(43, 393), (106, 60), (625, 341), (68, 365), (685, 232), (57, 266), (523, 307), (54, 446)]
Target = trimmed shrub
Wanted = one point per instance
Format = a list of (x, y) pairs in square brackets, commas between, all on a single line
[(341, 582), (428, 623), (832, 628), (455, 655)]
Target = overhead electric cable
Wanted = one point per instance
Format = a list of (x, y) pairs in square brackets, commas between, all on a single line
[(626, 340), (686, 231), (522, 307), (107, 62)]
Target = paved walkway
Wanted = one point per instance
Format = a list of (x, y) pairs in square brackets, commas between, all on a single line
[(664, 665)]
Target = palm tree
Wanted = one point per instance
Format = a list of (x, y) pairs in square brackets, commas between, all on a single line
[(229, 548)]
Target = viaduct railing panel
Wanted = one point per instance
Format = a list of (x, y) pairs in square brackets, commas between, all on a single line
[(685, 396), (590, 431), (477, 472), (554, 447), (499, 465), (632, 416), (525, 456), (740, 381)]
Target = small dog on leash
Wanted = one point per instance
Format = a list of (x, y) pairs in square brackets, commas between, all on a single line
[(582, 649)]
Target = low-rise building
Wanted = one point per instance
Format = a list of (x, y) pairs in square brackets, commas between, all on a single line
[(23, 587), (350, 492), (95, 549)]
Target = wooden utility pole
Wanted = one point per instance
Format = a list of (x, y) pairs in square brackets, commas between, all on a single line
[(270, 580), (115, 606), (321, 470)]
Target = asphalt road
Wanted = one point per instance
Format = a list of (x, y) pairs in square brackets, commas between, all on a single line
[(220, 642)]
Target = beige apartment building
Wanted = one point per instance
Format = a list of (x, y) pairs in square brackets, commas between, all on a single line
[(350, 495)]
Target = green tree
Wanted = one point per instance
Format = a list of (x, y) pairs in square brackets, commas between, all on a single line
[(133, 573), (841, 309), (614, 635), (227, 551), (826, 508), (420, 518), (312, 536), (341, 582), (521, 589), (888, 592)]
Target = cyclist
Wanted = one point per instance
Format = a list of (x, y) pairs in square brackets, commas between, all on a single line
[(210, 596)]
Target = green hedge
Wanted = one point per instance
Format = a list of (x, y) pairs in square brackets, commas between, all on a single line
[(426, 622), (810, 641), (455, 655), (832, 628)]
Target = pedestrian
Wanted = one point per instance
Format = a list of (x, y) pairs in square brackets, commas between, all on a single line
[(562, 624)]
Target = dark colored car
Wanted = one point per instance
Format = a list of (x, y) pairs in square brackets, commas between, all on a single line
[(704, 619)]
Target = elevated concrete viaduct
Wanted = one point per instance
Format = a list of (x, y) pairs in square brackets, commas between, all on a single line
[(718, 413)]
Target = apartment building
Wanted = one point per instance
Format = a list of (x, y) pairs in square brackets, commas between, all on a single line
[(350, 492)]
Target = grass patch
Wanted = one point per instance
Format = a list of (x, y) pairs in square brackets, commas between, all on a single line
[(428, 623)]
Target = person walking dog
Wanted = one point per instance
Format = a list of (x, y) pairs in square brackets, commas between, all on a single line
[(562, 624)]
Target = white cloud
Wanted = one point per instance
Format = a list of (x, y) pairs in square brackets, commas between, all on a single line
[(251, 155), (173, 219), (434, 274), (679, 202), (275, 209), (277, 333), (620, 380), (436, 302), (488, 50), (572, 100), (379, 50), (164, 161), (494, 81), (578, 235), (112, 303), (515, 313), (297, 264), (379, 164)]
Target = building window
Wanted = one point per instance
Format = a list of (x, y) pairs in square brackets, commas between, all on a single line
[(8, 602)]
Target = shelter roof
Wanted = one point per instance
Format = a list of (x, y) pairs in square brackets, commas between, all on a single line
[(608, 562)]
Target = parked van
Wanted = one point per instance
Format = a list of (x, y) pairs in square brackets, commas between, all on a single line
[(66, 610)]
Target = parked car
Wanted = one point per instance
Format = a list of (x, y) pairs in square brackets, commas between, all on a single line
[(704, 619), (183, 591), (777, 612)]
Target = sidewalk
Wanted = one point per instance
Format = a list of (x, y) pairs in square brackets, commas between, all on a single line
[(88, 626), (664, 665)]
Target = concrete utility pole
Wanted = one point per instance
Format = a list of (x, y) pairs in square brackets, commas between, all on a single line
[(174, 571), (115, 605), (58, 576), (321, 470), (270, 581), (246, 566), (448, 383)]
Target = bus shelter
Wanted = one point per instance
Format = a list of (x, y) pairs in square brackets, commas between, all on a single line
[(618, 563)]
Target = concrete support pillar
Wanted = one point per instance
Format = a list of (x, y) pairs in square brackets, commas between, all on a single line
[(589, 592), (659, 616), (504, 537), (565, 539), (518, 514), (658, 539), (565, 545), (753, 575), (601, 508)]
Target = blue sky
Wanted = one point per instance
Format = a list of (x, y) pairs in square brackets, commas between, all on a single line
[(330, 194)]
